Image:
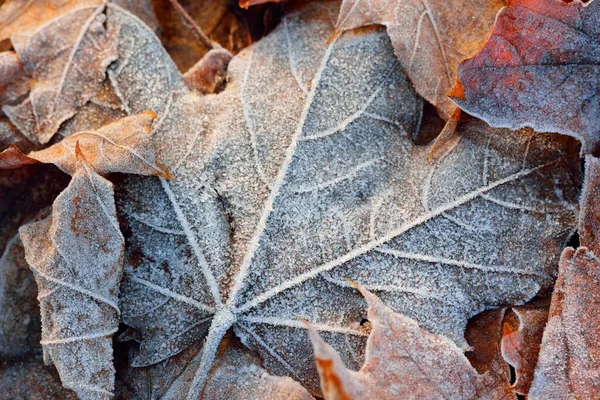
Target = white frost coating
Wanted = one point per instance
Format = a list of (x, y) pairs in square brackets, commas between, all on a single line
[(76, 255), (276, 252)]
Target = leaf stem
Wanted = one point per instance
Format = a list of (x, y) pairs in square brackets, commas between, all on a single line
[(191, 24)]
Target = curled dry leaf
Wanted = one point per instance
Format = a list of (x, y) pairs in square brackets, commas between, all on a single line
[(429, 37), (522, 335), (403, 361), (539, 68), (311, 141), (122, 146), (569, 361), (76, 255), (484, 335), (66, 60), (208, 75)]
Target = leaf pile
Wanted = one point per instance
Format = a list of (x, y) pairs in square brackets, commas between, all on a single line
[(233, 173)]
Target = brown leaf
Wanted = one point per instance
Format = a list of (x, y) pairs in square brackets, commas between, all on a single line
[(484, 335), (24, 16), (76, 255), (403, 360), (429, 37), (539, 68), (122, 146), (65, 58), (522, 335), (208, 75), (569, 360)]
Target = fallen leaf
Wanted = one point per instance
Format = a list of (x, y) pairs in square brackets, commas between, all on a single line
[(24, 16), (122, 146), (403, 361), (523, 329), (429, 37), (66, 60), (539, 68), (208, 75), (76, 255), (228, 244), (569, 360), (484, 335)]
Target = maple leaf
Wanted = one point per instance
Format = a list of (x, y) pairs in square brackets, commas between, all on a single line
[(122, 146), (403, 360), (429, 38), (539, 68), (253, 235), (568, 364)]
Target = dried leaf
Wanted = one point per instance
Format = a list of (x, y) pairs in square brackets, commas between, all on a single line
[(275, 204), (122, 146), (403, 361), (429, 38), (76, 255), (539, 68), (208, 75), (24, 16), (569, 361), (523, 330), (66, 59), (484, 335)]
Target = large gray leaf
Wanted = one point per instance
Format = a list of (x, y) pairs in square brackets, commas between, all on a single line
[(299, 175)]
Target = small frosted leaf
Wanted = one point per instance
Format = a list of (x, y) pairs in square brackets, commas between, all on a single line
[(76, 255)]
